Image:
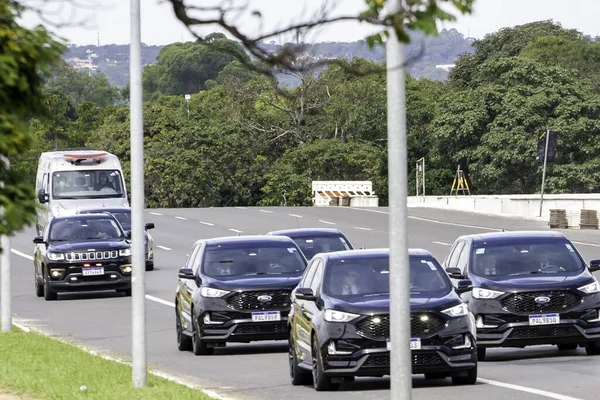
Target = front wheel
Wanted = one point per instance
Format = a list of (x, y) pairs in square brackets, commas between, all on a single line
[(184, 342), (321, 382), (49, 294), (470, 379), (298, 375), (593, 349), (567, 346), (39, 288), (198, 346), (481, 353)]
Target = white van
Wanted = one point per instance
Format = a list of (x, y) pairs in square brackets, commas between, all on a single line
[(67, 181)]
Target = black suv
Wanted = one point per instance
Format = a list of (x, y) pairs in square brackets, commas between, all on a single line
[(82, 253), (236, 289), (529, 288), (339, 323), (316, 240)]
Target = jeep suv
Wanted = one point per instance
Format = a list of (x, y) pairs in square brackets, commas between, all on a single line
[(236, 289), (82, 253), (529, 288)]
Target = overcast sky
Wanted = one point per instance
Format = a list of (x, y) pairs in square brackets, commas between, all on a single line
[(108, 20)]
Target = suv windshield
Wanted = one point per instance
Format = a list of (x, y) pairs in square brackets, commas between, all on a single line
[(311, 245), (87, 184), (370, 276), (526, 257), (83, 229), (266, 259)]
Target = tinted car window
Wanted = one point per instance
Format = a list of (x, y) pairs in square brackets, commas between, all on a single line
[(86, 184), (243, 259), (82, 229), (124, 219), (371, 276), (311, 245), (526, 257)]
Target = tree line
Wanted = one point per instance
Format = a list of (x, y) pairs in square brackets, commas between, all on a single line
[(242, 140)]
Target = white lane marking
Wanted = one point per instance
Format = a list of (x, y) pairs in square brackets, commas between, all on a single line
[(17, 252), (181, 218), (242, 208), (363, 229), (266, 211), (155, 213), (206, 223), (235, 230), (296, 215), (161, 301), (327, 222), (164, 248), (442, 243), (528, 390), (587, 244)]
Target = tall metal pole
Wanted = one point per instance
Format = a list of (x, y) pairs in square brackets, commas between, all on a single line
[(544, 171), (138, 320), (5, 289), (417, 179), (423, 176), (401, 374)]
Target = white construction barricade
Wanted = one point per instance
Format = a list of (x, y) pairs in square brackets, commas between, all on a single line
[(344, 193)]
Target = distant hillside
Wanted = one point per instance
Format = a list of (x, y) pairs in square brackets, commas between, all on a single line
[(428, 52)]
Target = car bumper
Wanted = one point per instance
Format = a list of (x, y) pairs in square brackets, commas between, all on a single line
[(239, 327), (74, 280)]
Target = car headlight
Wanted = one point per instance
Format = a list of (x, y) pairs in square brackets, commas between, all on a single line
[(339, 316), (480, 293), (590, 288), (125, 252), (212, 292), (457, 311), (56, 256)]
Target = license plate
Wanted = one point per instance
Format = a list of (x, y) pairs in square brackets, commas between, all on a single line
[(544, 319), (266, 316), (415, 344), (93, 271)]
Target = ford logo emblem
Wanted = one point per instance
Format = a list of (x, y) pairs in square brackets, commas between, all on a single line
[(542, 300), (264, 298)]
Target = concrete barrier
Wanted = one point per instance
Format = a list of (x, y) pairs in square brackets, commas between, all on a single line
[(521, 205)]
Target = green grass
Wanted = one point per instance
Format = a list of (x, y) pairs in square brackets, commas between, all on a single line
[(44, 368)]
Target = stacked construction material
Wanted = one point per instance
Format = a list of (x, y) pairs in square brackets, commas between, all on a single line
[(589, 219), (558, 219)]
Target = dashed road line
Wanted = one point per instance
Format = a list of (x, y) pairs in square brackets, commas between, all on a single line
[(17, 252), (235, 230), (183, 218), (296, 215), (587, 244), (161, 301), (155, 213), (442, 243), (266, 211), (206, 223), (525, 389), (362, 229), (165, 248), (242, 208), (327, 222)]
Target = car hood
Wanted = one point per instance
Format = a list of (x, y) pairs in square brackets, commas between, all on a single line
[(433, 301), (64, 207), (534, 282), (88, 245), (254, 282)]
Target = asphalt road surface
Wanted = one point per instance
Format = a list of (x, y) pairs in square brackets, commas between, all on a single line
[(102, 320)]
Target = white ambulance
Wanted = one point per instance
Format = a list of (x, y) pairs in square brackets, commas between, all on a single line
[(70, 180)]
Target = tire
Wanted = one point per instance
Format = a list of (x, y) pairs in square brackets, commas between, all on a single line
[(126, 292), (567, 346), (39, 288), (593, 349), (49, 294), (434, 375), (481, 353), (470, 379), (321, 382), (298, 375), (199, 347), (184, 342), (150, 266)]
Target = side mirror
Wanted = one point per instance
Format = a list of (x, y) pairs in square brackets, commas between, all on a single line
[(463, 286), (305, 294), (128, 234), (594, 265), (38, 240), (186, 273), (149, 225), (42, 196), (455, 273)]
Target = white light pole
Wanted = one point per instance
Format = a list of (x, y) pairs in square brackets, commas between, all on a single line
[(401, 367), (187, 100), (138, 318), (5, 289)]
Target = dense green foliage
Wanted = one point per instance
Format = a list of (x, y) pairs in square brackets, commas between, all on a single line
[(245, 142)]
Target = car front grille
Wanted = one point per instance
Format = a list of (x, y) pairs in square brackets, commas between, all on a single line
[(271, 300), (375, 327), (92, 255), (559, 301), (425, 324), (544, 332), (378, 360), (258, 328), (426, 359)]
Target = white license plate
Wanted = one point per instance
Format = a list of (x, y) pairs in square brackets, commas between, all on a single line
[(415, 344), (544, 319), (266, 316), (93, 271)]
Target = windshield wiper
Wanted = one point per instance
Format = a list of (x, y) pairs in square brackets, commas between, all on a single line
[(533, 273)]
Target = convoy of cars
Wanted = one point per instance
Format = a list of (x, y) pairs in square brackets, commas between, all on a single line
[(310, 287)]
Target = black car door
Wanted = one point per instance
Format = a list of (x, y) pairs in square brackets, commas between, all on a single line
[(308, 309), (300, 326), (186, 290)]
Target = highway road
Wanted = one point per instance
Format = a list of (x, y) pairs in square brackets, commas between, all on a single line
[(102, 321)]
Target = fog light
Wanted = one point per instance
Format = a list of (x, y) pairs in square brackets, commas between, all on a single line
[(74, 278), (56, 273), (113, 276), (335, 352), (467, 344), (208, 321), (126, 268)]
